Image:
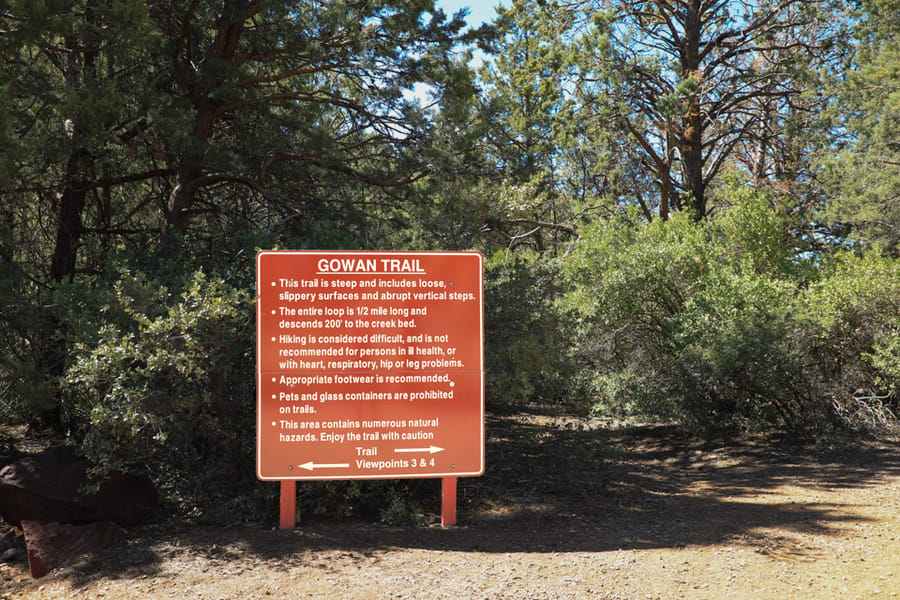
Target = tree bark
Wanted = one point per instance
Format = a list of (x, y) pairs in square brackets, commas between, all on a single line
[(199, 89), (693, 121), (69, 226)]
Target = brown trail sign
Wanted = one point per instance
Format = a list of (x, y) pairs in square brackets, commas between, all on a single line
[(369, 365)]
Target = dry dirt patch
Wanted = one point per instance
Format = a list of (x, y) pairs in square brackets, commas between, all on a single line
[(567, 509)]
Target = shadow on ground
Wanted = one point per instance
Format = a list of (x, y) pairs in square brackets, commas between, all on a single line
[(565, 485)]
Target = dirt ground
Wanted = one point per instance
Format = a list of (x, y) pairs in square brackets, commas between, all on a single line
[(566, 509)]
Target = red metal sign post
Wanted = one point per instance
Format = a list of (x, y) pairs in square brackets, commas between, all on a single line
[(369, 366)]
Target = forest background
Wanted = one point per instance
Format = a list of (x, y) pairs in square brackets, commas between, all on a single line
[(688, 209)]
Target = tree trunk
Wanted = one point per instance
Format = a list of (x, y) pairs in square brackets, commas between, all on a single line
[(7, 225), (692, 158), (51, 349), (693, 122), (181, 199), (69, 226), (199, 89)]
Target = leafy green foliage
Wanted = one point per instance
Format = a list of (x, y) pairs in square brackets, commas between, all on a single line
[(527, 336), (856, 304), (527, 116), (393, 502), (630, 284), (863, 171), (712, 324), (742, 356), (167, 386)]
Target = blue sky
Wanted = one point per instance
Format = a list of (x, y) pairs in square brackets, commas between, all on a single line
[(479, 11)]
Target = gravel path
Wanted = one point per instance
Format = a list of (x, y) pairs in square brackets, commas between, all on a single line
[(669, 519)]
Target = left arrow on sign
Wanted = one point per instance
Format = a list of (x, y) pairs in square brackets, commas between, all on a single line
[(311, 466)]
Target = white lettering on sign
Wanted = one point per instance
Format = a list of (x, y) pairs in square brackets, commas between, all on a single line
[(367, 265), (347, 265)]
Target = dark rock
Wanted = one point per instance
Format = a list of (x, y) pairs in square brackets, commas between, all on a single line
[(9, 555), (53, 487), (53, 544), (126, 499)]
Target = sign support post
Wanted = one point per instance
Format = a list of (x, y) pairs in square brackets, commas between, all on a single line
[(288, 504), (448, 501)]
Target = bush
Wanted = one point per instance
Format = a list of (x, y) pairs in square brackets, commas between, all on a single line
[(856, 305), (707, 323), (392, 501), (527, 335), (630, 283), (25, 389), (743, 357), (168, 385)]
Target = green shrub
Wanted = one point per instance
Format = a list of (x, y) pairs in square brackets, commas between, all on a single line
[(527, 335), (25, 390), (392, 501), (743, 356), (856, 304), (168, 385), (705, 323), (629, 284)]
